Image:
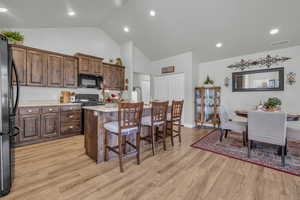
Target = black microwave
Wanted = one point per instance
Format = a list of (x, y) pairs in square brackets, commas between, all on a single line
[(90, 81)]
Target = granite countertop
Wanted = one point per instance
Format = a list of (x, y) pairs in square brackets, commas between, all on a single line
[(44, 103), (107, 109)]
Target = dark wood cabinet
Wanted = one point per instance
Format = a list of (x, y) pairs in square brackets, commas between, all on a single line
[(55, 70), (30, 128), (19, 57), (114, 76), (50, 125), (70, 72), (36, 68), (88, 64), (70, 120)]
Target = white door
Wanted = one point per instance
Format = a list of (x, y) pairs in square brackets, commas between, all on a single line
[(169, 88), (145, 85)]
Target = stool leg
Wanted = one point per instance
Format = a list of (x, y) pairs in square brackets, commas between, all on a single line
[(164, 136), (179, 132), (171, 132), (124, 144), (106, 143), (152, 139), (138, 147), (120, 152)]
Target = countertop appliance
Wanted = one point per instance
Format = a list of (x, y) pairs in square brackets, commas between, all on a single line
[(87, 100), (90, 81), (8, 110)]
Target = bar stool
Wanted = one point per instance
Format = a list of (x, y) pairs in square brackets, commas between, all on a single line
[(174, 121), (157, 119), (129, 122)]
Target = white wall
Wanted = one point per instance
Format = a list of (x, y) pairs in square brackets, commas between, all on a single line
[(69, 41), (141, 62), (183, 64), (218, 70)]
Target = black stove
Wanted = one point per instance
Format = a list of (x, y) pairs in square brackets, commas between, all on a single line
[(88, 99)]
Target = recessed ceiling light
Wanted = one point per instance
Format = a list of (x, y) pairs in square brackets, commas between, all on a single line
[(126, 29), (274, 31), (219, 45), (3, 9), (152, 13), (71, 13)]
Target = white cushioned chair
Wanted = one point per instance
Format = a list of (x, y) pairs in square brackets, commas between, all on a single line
[(293, 133), (226, 124), (267, 127)]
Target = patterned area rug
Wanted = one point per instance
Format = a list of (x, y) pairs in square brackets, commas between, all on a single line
[(262, 154)]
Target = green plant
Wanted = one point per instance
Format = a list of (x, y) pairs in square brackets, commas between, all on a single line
[(208, 81), (272, 102), (14, 36)]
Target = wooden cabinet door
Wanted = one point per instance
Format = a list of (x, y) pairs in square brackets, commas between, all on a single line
[(107, 75), (121, 78), (36, 68), (84, 65), (55, 70), (70, 72), (98, 67), (19, 57), (30, 128), (50, 125)]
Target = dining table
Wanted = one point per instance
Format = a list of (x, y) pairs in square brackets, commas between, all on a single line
[(290, 117)]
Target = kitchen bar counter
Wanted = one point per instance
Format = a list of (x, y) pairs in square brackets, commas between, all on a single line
[(44, 103), (94, 119)]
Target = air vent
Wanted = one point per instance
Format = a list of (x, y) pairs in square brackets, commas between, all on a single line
[(280, 43)]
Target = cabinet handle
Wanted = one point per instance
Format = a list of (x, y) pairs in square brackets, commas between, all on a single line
[(71, 116), (29, 111), (50, 109), (71, 127)]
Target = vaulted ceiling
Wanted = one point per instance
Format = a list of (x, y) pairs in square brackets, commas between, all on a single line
[(180, 25)]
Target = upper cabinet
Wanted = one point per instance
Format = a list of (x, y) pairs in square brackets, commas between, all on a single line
[(55, 70), (19, 57), (36, 68), (90, 64), (114, 76), (70, 72), (42, 68)]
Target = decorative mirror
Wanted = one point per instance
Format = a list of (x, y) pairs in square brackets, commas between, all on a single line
[(258, 80)]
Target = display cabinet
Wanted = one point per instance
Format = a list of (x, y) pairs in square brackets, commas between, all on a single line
[(207, 104)]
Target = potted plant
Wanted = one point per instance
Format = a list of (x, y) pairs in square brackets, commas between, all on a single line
[(208, 82), (272, 104), (13, 37)]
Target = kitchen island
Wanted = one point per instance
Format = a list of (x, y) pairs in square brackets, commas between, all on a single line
[(94, 119)]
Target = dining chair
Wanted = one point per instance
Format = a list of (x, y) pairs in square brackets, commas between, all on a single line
[(267, 127), (174, 121), (129, 122), (227, 124), (293, 132), (157, 119)]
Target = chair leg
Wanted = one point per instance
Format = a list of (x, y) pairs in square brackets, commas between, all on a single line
[(244, 138), (249, 148), (226, 133), (124, 144), (120, 152), (179, 132), (171, 132), (221, 134), (138, 147), (164, 136), (106, 143), (152, 139), (283, 155)]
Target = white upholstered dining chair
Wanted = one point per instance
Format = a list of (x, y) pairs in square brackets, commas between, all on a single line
[(267, 127), (226, 124), (293, 132)]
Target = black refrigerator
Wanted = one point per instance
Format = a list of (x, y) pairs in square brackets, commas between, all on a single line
[(9, 103)]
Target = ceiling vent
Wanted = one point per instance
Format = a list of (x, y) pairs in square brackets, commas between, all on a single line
[(280, 43)]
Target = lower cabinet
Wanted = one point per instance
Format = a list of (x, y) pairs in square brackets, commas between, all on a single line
[(30, 128), (38, 124), (50, 125)]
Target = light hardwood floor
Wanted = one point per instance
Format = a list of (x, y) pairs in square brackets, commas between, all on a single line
[(60, 170)]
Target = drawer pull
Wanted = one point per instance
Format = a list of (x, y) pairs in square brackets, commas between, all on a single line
[(71, 127), (29, 111), (50, 109), (71, 116)]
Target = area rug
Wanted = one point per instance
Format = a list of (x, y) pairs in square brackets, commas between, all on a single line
[(263, 154)]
